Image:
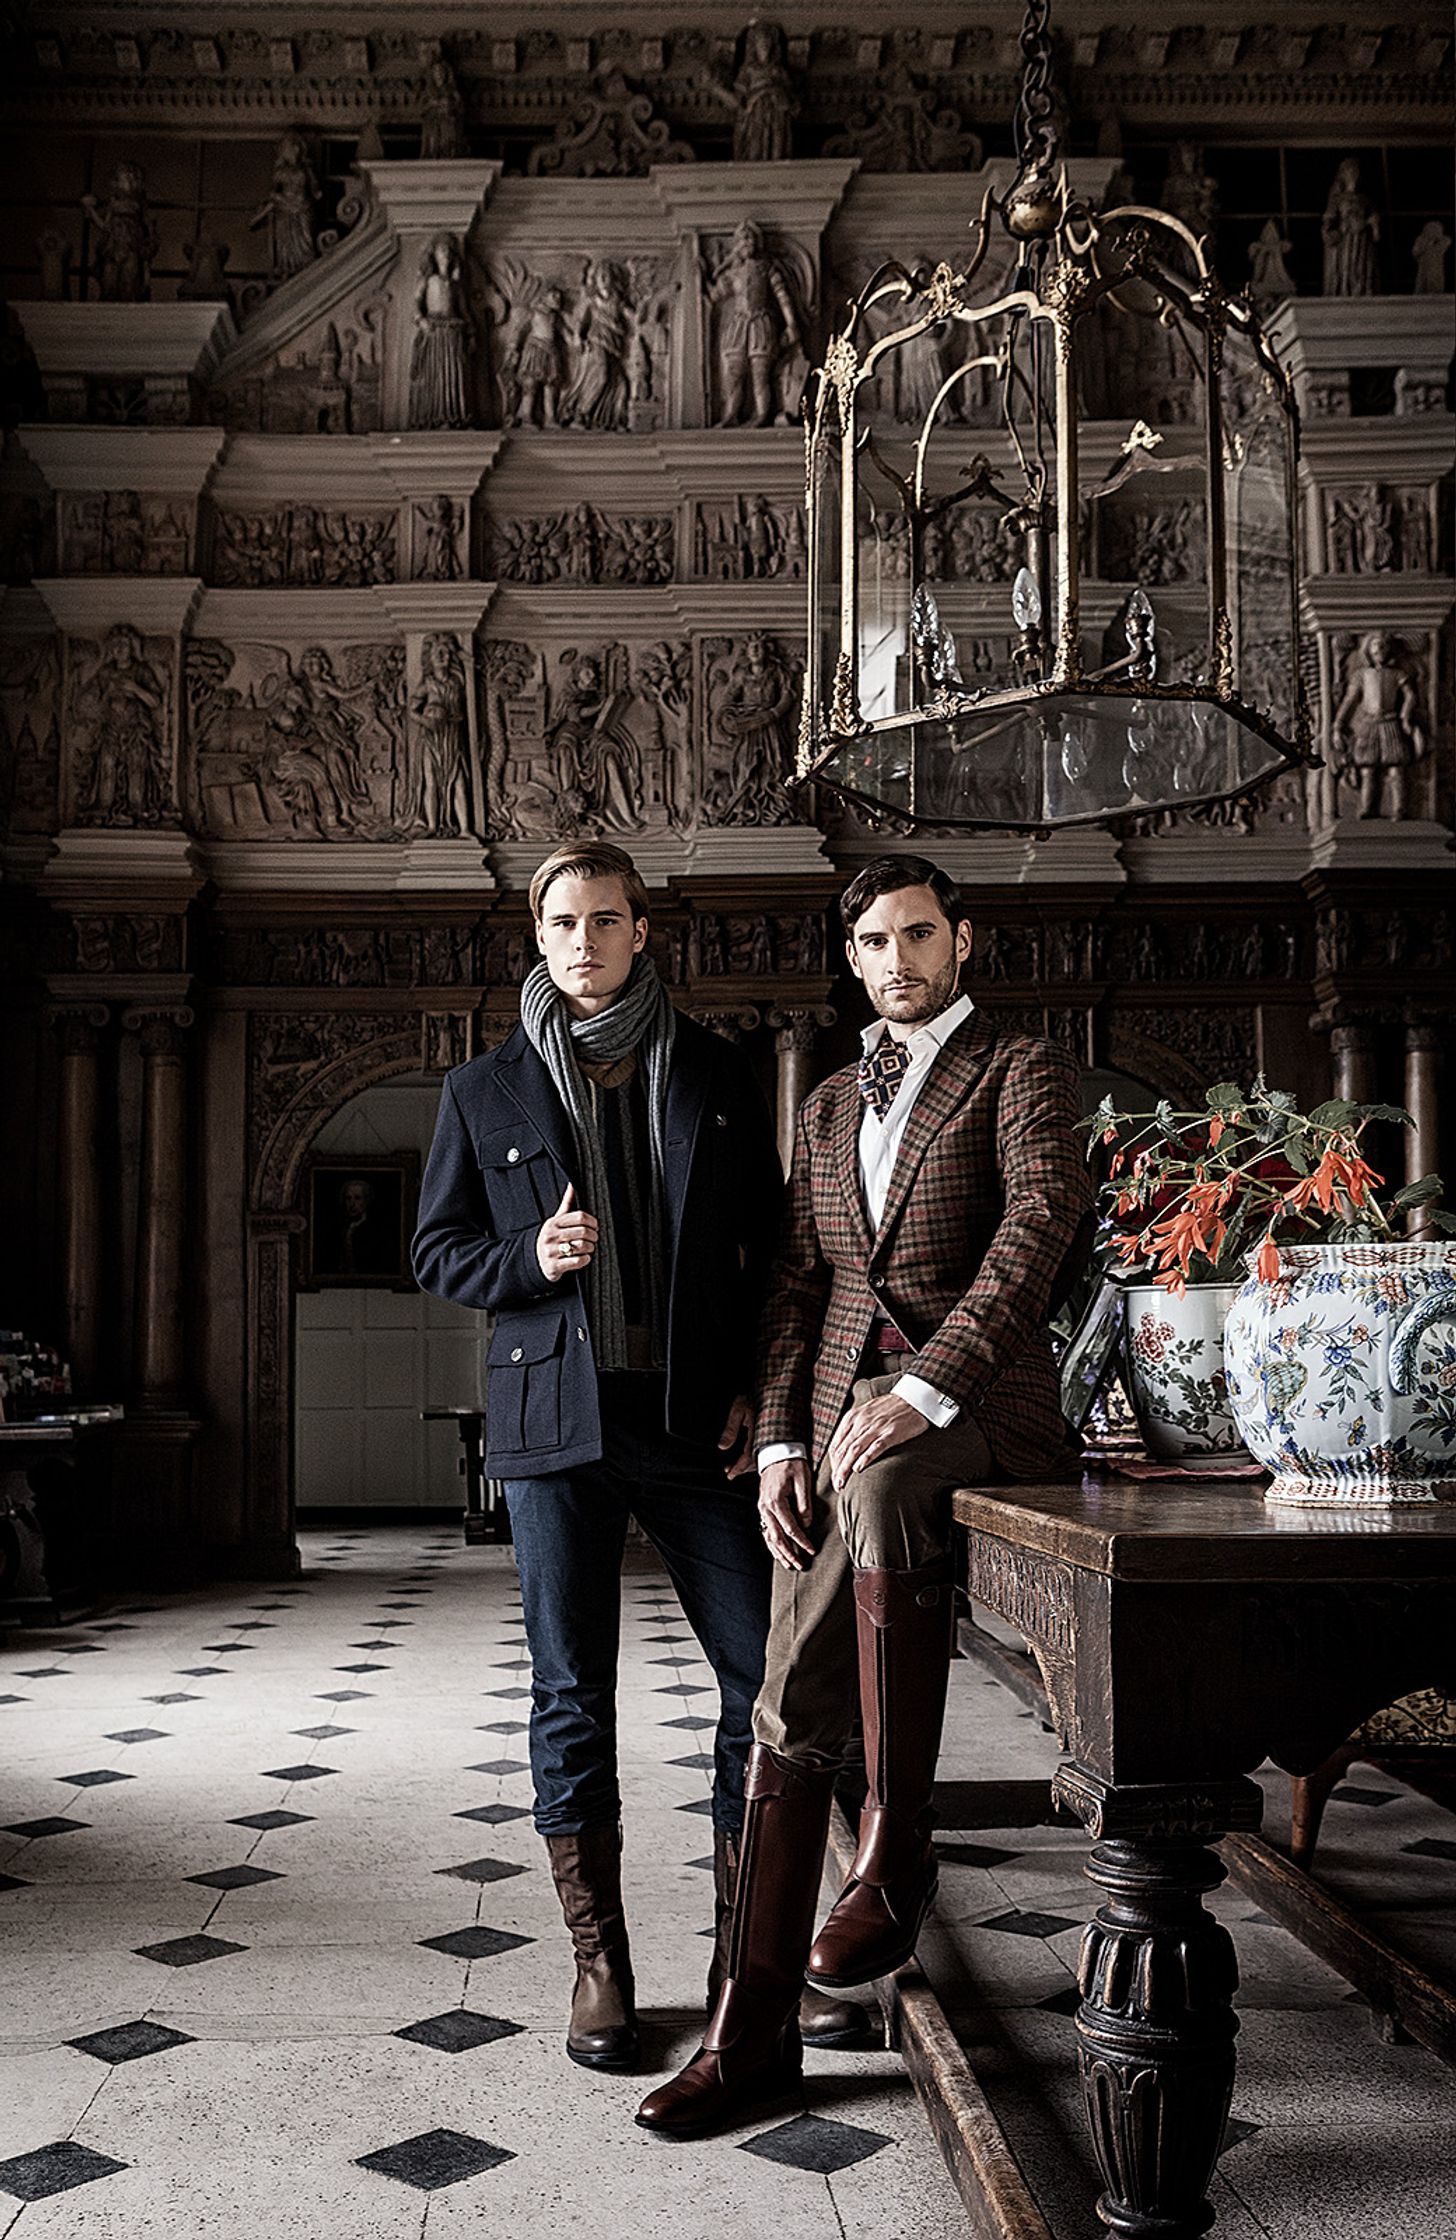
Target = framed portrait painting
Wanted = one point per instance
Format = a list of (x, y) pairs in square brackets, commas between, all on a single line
[(359, 1212)]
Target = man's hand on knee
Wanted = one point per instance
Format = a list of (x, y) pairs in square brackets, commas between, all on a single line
[(785, 1506), (872, 1428)]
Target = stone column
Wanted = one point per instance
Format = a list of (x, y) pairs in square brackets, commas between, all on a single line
[(158, 1354), (79, 1176), (1422, 1102), (1352, 1051), (796, 1028)]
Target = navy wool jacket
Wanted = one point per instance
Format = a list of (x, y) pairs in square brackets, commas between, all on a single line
[(501, 1159)]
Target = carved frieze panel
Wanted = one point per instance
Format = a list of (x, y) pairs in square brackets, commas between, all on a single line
[(30, 734), (360, 956), (905, 125), (750, 689), (120, 729), (758, 292), (304, 545), (611, 133), (307, 742), (325, 383), (748, 945), (582, 545), (588, 737), (122, 533), (749, 539), (113, 942), (1372, 528), (1380, 723), (579, 342)]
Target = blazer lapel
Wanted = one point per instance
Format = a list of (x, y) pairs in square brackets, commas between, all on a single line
[(523, 1074), (844, 1146), (951, 1080)]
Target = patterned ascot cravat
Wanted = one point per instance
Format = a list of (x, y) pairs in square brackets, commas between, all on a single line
[(881, 1071)]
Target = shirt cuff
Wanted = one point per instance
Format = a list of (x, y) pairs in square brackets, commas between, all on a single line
[(933, 1405), (782, 1450)]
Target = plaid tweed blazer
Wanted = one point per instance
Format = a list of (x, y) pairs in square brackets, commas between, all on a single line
[(988, 1188)]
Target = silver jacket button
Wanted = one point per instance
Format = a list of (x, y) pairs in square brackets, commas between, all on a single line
[(512, 1155), (581, 1333), (516, 1353)]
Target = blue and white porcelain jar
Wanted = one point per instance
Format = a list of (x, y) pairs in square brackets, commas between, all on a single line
[(1342, 1372)]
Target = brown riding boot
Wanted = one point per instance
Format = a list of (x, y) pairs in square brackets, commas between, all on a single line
[(830, 2025), (904, 1621), (751, 2050), (587, 1870)]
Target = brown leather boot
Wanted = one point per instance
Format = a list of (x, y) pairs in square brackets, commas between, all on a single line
[(587, 1870), (751, 2050), (904, 1621), (829, 2025)]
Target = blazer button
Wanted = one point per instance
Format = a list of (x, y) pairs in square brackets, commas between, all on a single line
[(512, 1156), (721, 1118), (581, 1333), (517, 1353), (851, 1353)]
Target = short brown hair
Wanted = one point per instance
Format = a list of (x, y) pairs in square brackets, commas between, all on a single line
[(888, 875), (590, 859)]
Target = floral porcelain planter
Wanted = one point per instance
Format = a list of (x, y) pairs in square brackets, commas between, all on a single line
[(1173, 1353), (1342, 1373)]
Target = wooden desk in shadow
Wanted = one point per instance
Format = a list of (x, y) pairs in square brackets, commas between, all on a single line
[(1185, 1634)]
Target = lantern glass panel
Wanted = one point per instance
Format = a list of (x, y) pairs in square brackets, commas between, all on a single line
[(827, 533), (882, 544), (1257, 468)]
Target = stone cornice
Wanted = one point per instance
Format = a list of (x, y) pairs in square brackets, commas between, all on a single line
[(123, 341), (169, 462), (158, 606)]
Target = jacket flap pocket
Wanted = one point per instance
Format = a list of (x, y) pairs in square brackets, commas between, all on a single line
[(516, 1340), (510, 1147)]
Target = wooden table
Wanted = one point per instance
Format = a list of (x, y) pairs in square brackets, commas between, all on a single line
[(1187, 1632)]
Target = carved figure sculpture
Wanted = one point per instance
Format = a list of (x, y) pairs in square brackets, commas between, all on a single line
[(754, 722), (439, 378), (761, 98), (442, 114), (1189, 192), (291, 209), (759, 326), (125, 701), (1377, 729), (443, 734), (1350, 229), (597, 397), (1375, 529), (595, 753), (126, 238), (206, 280), (540, 362), (317, 768), (1270, 279), (439, 559), (1431, 247)]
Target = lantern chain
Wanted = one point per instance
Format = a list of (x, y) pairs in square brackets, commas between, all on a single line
[(1034, 129)]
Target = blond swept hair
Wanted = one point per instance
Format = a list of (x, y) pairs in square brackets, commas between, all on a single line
[(589, 859)]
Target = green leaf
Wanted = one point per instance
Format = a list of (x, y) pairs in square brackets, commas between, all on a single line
[(1338, 1113), (1294, 1152), (1227, 1096), (1445, 1222), (1419, 1193), (1395, 1113)]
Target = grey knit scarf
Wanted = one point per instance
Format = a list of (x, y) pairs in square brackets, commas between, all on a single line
[(641, 1018)]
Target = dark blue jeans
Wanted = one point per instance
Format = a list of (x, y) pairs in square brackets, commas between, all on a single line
[(570, 1530)]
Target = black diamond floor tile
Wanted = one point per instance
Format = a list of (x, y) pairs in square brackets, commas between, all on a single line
[(697, 1804), (367, 1645), (435, 2158), (679, 1661), (269, 1820), (817, 2143), (41, 1672), (1235, 2131), (345, 1695), (130, 2041), (690, 1725), (1029, 1924), (699, 1762), (677, 1689), (1062, 2002), (973, 1854), (707, 1864), (52, 1825), (298, 1773), (201, 1671), (14, 1882), (227, 1648), (500, 1766), (54, 2169), (494, 1815), (663, 1640), (83, 1649), (503, 1726), (14, 1699), (321, 1734), (234, 1878), (1351, 1793), (483, 1870), (361, 1668), (254, 1625), (459, 2031), (1431, 1847), (509, 1695), (139, 1734), (178, 1695), (100, 1779), (188, 1952)]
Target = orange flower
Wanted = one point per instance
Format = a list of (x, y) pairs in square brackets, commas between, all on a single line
[(1109, 1135), (1215, 1130), (1268, 1260), (1119, 1161)]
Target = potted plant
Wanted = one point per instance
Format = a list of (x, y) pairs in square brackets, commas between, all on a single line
[(1333, 1372)]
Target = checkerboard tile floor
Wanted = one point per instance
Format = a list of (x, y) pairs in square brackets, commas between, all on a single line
[(279, 1951)]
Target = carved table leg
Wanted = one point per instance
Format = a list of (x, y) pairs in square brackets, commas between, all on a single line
[(1156, 2028)]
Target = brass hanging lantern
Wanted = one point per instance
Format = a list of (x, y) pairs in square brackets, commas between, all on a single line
[(1068, 692)]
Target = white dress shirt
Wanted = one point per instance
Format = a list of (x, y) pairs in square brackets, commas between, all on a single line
[(879, 1145)]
